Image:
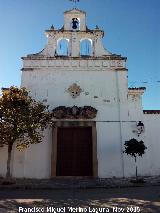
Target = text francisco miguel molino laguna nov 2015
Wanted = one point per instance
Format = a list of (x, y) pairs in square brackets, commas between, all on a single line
[(78, 209)]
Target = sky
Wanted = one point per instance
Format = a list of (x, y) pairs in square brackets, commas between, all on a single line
[(131, 28)]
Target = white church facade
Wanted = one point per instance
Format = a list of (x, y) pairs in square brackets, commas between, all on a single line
[(95, 112)]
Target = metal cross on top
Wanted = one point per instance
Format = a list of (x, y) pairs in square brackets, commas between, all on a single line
[(75, 2)]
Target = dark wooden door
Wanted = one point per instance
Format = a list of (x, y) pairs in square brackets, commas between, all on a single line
[(74, 151)]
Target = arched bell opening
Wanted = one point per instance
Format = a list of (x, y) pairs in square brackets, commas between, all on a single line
[(63, 47), (86, 47), (75, 24)]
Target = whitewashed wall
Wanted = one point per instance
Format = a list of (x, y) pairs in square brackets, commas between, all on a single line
[(99, 89), (109, 150), (104, 88), (135, 112), (152, 130)]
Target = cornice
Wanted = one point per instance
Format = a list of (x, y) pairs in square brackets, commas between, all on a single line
[(136, 90), (43, 57)]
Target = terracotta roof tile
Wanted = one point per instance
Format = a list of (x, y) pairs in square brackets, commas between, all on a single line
[(137, 88), (151, 111)]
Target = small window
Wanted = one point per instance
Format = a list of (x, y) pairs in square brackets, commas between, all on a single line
[(86, 47), (63, 47)]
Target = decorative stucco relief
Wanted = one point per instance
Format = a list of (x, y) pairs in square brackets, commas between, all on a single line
[(86, 112), (60, 62), (74, 90)]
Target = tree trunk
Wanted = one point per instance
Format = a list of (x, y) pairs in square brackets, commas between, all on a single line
[(136, 168), (8, 174)]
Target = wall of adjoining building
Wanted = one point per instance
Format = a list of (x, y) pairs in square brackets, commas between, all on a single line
[(152, 130)]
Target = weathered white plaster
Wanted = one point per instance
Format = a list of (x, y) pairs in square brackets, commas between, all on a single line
[(75, 13), (152, 129), (74, 37)]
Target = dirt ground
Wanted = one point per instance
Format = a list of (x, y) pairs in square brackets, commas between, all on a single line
[(135, 199)]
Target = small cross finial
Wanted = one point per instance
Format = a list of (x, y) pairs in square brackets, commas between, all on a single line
[(75, 2)]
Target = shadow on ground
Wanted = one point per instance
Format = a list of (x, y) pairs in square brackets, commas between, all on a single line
[(141, 199)]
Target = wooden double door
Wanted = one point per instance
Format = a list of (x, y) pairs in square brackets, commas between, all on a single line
[(74, 151)]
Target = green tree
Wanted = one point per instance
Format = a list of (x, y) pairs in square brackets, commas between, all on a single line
[(135, 149), (22, 120)]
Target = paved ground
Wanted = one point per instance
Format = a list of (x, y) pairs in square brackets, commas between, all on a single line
[(141, 199), (76, 183)]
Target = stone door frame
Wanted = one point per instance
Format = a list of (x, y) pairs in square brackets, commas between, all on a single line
[(58, 124)]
